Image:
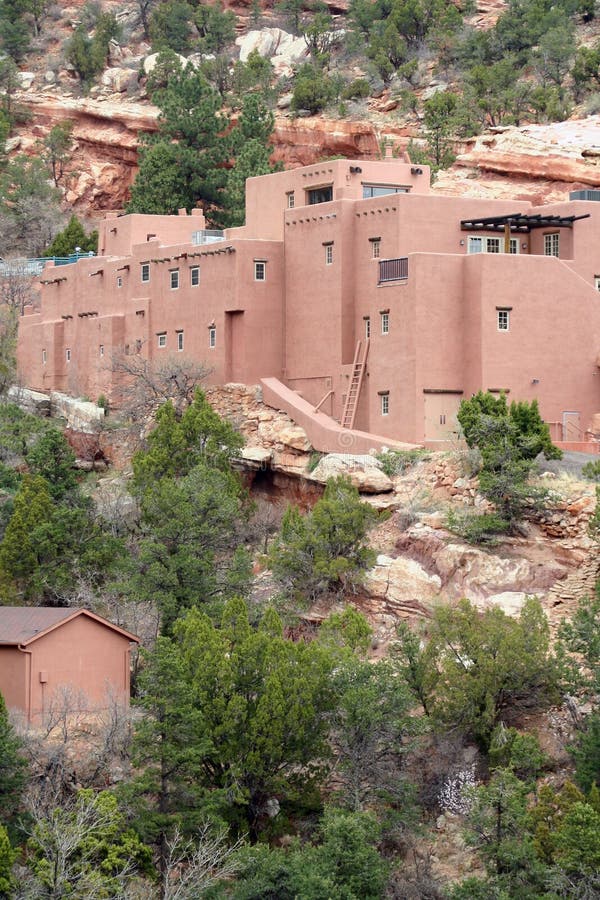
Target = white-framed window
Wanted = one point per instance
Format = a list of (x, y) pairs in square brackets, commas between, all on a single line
[(212, 336), (385, 322), (503, 319), (145, 272), (375, 249), (101, 349), (491, 245), (162, 340), (291, 200), (195, 276), (174, 279), (551, 243), (260, 270), (385, 404), (44, 357), (367, 327), (328, 254), (119, 281), (179, 340), (68, 354)]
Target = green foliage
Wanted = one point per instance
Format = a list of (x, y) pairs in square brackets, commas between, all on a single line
[(216, 27), (52, 457), (14, 32), (591, 470), (13, 772), (7, 859), (476, 528), (358, 89), (88, 54), (441, 122), (521, 753), (414, 663), (72, 236), (170, 26), (57, 150), (313, 90), (397, 462), (29, 206), (587, 754), (580, 646), (327, 549)]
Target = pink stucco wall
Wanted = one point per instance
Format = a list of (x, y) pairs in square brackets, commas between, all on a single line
[(302, 323)]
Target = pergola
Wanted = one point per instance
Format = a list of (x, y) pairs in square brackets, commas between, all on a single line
[(519, 223)]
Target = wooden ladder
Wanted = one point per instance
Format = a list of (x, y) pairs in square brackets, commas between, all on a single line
[(358, 371)]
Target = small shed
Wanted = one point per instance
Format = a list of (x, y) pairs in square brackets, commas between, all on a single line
[(45, 650)]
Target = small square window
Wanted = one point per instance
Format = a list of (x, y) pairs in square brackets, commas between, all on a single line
[(44, 357), (68, 355), (174, 279), (503, 320), (368, 327), (195, 276), (162, 339), (385, 323), (260, 270), (180, 340), (291, 200), (385, 404), (119, 281), (145, 272), (101, 349), (328, 254), (375, 249), (212, 337)]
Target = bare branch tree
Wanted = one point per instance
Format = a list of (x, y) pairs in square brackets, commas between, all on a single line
[(17, 286), (193, 866)]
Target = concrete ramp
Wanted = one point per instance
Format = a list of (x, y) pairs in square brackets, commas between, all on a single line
[(324, 433)]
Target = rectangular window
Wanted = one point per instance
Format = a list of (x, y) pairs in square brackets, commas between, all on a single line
[(195, 276), (375, 249), (385, 323), (491, 245), (381, 190), (291, 201), (385, 404), (101, 349), (145, 272), (212, 337), (174, 279), (119, 281), (320, 195), (551, 243), (597, 282), (503, 319), (44, 357), (162, 339), (180, 340), (68, 355), (328, 254), (260, 270), (368, 327)]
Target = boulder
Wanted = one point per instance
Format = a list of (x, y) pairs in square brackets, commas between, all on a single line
[(149, 63), (295, 437), (117, 79), (401, 581), (363, 471), (25, 79)]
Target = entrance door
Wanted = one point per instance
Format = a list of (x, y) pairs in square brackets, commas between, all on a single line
[(571, 426), (235, 362), (441, 423)]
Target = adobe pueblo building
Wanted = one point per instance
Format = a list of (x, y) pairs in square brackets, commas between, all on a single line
[(363, 303)]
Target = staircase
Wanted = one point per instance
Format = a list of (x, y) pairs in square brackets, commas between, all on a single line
[(358, 371)]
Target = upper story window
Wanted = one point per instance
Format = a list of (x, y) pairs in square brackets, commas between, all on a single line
[(44, 357), (291, 200), (551, 244), (328, 254), (212, 336), (367, 327), (375, 248), (101, 349), (385, 404), (68, 355), (174, 279), (119, 281), (380, 190), (145, 272), (385, 323), (180, 340), (491, 245), (260, 270), (320, 195), (195, 276), (503, 319), (162, 339)]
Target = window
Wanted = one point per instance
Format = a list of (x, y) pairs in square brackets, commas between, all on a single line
[(328, 254), (385, 404), (291, 200), (320, 195), (375, 249), (597, 282), (145, 272), (212, 336), (195, 276), (491, 245), (367, 327), (101, 349), (44, 357), (503, 319), (179, 340), (260, 270), (174, 279), (68, 355), (385, 323), (162, 339), (119, 281), (551, 242), (380, 190)]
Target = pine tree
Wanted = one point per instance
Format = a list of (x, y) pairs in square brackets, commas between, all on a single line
[(13, 767)]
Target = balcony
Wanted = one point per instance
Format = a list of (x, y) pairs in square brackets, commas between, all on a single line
[(207, 237), (393, 269)]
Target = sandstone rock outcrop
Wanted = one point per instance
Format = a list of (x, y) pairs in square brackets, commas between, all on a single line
[(363, 471)]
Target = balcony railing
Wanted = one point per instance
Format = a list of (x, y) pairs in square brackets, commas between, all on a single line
[(393, 269), (207, 237)]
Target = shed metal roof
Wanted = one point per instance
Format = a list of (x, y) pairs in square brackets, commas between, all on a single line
[(24, 624)]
